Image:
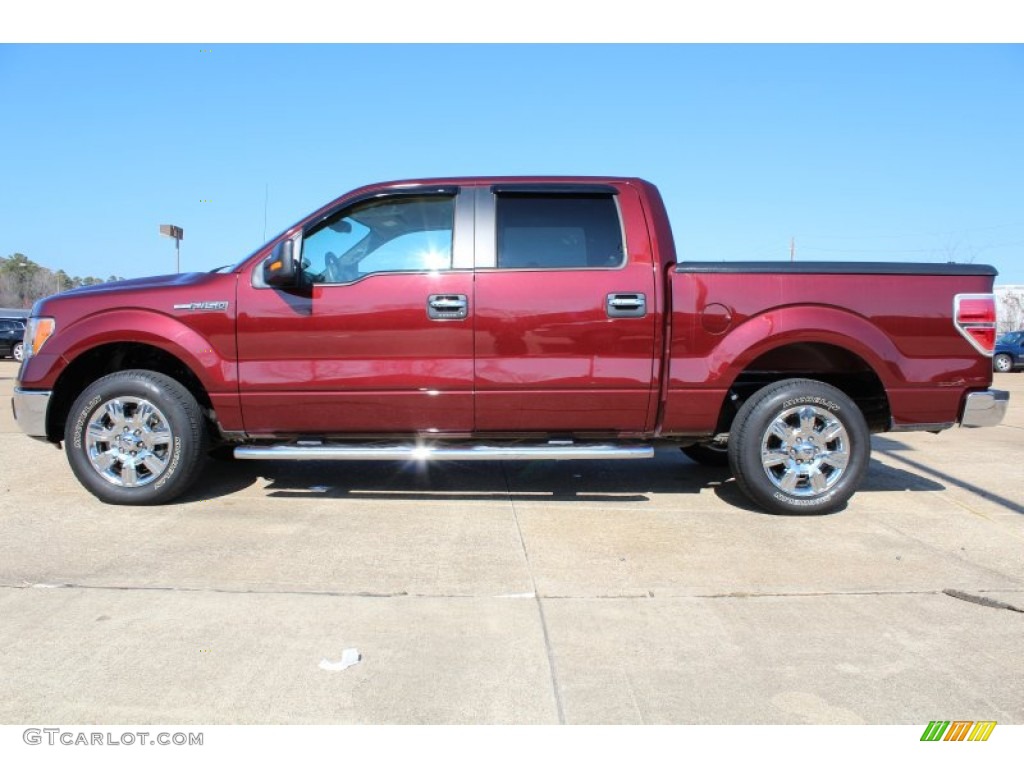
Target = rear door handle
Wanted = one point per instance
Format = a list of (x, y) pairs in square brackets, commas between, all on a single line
[(447, 306), (626, 305)]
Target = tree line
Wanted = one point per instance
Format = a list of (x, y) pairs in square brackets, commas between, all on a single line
[(22, 281), (1009, 309)]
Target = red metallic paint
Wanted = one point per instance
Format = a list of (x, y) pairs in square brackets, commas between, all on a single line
[(142, 312), (923, 362), (356, 358), (548, 357), (542, 350)]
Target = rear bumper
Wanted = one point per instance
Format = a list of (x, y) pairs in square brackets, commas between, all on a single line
[(30, 410), (985, 409)]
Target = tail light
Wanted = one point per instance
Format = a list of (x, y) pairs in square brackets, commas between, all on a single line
[(974, 315)]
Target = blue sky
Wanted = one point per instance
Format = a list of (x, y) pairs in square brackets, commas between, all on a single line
[(858, 152)]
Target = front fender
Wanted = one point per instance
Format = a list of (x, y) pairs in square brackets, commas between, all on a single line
[(208, 350)]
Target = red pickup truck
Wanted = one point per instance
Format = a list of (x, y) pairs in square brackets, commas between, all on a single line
[(507, 319)]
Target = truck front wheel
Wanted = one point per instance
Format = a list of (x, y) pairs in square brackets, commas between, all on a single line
[(135, 437), (799, 446)]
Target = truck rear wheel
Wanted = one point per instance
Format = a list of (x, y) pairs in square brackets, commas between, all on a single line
[(135, 437), (799, 446)]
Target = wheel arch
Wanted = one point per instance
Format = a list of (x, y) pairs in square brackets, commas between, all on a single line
[(103, 359), (828, 362)]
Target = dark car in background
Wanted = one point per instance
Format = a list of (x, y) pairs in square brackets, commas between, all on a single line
[(1009, 352), (12, 337)]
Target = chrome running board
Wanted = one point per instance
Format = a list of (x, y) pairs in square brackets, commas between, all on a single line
[(412, 452)]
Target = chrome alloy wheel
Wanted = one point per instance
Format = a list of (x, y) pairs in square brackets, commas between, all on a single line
[(805, 451), (128, 441)]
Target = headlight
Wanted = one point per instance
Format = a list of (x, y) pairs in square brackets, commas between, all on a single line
[(38, 330)]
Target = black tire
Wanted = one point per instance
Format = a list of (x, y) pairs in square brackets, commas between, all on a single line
[(18, 351), (1002, 363), (146, 442), (709, 454), (820, 462)]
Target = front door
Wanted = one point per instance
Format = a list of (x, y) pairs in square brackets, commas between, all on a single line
[(379, 337)]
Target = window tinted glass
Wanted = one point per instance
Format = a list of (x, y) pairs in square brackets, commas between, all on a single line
[(398, 234), (558, 232)]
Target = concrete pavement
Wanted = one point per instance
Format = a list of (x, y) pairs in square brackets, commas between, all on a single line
[(589, 592)]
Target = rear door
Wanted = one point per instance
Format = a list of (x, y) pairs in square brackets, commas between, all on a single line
[(565, 310)]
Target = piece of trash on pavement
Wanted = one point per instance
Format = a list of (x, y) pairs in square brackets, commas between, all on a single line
[(349, 658), (319, 488)]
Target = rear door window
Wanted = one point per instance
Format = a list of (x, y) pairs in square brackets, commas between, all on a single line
[(537, 231)]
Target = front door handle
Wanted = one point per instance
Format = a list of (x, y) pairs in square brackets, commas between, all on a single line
[(627, 305), (447, 306)]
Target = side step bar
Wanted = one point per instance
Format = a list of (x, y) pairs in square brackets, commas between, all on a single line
[(413, 452)]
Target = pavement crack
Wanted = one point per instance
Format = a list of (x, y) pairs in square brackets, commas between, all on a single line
[(533, 595), (226, 591), (988, 602), (540, 603), (756, 595)]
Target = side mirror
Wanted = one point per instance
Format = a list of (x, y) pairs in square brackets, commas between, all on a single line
[(279, 270)]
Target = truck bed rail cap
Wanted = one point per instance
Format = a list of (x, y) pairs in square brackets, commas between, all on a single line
[(837, 268)]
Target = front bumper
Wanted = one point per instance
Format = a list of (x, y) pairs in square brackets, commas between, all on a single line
[(985, 409), (30, 410)]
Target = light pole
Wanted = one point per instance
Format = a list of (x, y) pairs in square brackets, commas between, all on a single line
[(169, 230)]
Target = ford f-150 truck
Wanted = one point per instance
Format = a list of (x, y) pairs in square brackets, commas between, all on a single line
[(507, 319)]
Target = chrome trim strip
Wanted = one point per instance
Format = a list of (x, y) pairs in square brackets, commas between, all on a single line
[(414, 452), (30, 410), (985, 409)]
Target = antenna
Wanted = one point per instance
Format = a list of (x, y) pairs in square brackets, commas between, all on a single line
[(266, 201), (792, 249)]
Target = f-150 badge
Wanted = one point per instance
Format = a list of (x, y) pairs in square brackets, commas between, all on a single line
[(204, 306)]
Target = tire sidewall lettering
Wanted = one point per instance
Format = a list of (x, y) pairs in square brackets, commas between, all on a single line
[(811, 502), (82, 416), (812, 400), (176, 456)]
